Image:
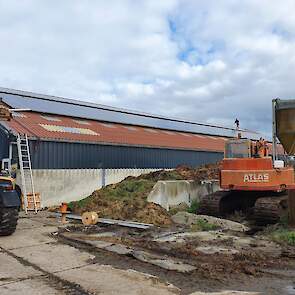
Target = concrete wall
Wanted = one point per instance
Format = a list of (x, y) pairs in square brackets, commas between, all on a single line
[(64, 185), (174, 192)]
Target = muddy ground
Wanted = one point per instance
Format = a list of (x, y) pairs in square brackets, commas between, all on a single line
[(187, 251), (191, 260)]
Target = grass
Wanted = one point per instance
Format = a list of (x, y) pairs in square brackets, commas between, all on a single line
[(127, 190), (281, 233), (79, 204), (194, 207), (203, 225), (283, 236)]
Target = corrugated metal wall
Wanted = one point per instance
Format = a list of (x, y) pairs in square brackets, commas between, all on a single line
[(63, 155), (4, 145)]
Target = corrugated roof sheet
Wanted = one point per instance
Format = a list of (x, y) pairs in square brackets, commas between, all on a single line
[(69, 129), (79, 109)]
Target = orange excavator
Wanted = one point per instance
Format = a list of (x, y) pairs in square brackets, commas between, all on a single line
[(250, 179)]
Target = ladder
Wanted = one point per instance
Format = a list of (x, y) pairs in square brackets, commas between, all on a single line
[(26, 171)]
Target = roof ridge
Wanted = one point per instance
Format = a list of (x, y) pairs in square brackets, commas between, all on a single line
[(71, 107), (105, 107)]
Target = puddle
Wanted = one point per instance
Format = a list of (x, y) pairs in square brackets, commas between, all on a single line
[(290, 290)]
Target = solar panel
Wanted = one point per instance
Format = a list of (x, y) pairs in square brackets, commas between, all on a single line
[(72, 108)]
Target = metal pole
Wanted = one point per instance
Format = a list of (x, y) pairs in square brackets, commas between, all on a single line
[(291, 206), (274, 130), (10, 157), (103, 177)]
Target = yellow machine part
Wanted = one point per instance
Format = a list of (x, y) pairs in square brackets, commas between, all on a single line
[(285, 124), (12, 180)]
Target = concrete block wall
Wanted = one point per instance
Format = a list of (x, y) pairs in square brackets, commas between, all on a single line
[(174, 192), (64, 185)]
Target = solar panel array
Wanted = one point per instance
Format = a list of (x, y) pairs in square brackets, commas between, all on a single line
[(73, 108)]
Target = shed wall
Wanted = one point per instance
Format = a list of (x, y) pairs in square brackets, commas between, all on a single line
[(4, 145), (64, 155)]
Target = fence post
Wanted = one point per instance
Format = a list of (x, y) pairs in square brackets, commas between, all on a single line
[(103, 177), (291, 206)]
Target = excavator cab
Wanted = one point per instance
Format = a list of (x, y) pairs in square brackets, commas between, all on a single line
[(237, 148), (245, 148)]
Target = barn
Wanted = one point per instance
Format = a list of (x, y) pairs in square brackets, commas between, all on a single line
[(78, 146)]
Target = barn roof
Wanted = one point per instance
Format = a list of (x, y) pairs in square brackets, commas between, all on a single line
[(58, 119), (71, 129), (68, 107)]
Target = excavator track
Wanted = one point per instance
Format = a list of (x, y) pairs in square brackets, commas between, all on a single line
[(265, 207), (222, 203), (262, 207), (210, 204), (270, 209)]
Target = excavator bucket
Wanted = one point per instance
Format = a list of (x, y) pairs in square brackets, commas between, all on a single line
[(285, 124)]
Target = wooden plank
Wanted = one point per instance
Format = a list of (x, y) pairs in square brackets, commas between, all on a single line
[(291, 205), (4, 113)]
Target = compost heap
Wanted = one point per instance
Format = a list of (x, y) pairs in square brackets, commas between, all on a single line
[(127, 200)]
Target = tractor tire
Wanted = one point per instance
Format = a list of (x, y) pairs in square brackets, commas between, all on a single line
[(8, 220)]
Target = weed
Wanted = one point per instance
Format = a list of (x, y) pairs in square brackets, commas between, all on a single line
[(203, 225), (194, 207), (283, 236), (125, 191), (79, 204)]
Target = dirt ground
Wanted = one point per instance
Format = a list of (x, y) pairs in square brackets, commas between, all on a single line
[(45, 257), (186, 251), (191, 261)]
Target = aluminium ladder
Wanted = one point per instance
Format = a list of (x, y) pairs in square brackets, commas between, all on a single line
[(26, 171)]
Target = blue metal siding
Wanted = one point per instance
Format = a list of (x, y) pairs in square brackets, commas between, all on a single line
[(63, 155), (4, 145)]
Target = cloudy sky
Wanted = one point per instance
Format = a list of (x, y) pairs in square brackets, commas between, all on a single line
[(207, 61)]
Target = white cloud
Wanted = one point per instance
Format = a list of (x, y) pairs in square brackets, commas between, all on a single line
[(208, 61)]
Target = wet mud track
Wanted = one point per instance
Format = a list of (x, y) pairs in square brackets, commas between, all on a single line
[(207, 277)]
